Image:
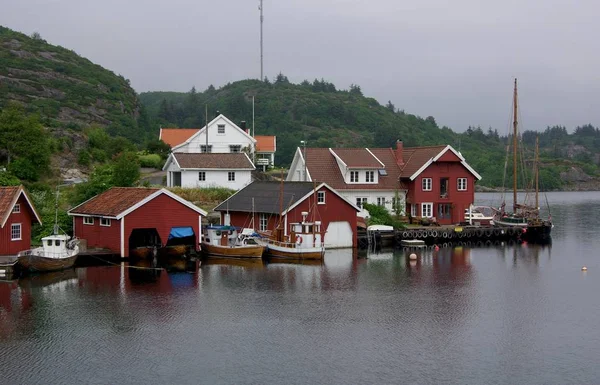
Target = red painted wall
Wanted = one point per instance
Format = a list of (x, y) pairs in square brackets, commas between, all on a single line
[(161, 213), (9, 247), (335, 209), (459, 199)]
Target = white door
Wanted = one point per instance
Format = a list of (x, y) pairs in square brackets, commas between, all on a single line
[(338, 234)]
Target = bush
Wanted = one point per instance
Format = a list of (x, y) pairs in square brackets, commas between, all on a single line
[(8, 179), (150, 160)]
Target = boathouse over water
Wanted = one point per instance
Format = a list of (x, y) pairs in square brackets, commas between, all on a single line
[(123, 218)]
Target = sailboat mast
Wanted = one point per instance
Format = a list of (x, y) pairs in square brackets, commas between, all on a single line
[(515, 100), (537, 172)]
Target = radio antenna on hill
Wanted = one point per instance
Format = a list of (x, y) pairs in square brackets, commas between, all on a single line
[(260, 7)]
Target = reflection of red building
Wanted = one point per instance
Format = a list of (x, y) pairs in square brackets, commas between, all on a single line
[(108, 220), (16, 217)]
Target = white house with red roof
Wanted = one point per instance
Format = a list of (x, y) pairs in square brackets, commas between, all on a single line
[(433, 181), (223, 136)]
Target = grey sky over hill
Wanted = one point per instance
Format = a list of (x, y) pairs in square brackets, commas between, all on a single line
[(454, 60)]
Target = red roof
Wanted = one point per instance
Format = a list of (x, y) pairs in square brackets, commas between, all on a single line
[(175, 136), (114, 201), (265, 143), (415, 157), (8, 197), (357, 158)]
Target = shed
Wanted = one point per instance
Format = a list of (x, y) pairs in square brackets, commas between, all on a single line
[(17, 215), (123, 218), (266, 204)]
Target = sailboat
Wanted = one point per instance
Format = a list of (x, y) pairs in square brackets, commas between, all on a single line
[(58, 251), (525, 217)]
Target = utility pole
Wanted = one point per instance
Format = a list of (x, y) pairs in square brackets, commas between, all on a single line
[(260, 7)]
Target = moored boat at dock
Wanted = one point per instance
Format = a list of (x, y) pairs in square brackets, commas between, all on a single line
[(225, 241), (304, 241), (58, 252)]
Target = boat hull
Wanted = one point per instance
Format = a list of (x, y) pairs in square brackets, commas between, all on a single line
[(293, 252), (142, 253), (172, 251), (537, 233), (245, 251), (39, 264)]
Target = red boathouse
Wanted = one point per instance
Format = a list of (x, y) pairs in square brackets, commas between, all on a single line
[(123, 218), (17, 214)]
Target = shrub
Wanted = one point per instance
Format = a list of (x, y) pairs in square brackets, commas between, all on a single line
[(150, 160)]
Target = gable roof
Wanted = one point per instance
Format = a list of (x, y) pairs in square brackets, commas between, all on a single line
[(203, 129), (435, 158), (265, 143), (175, 136), (9, 195), (213, 161), (415, 157), (357, 157), (117, 202)]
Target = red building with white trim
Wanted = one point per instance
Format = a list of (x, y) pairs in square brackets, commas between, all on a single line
[(123, 218), (265, 204), (17, 215)]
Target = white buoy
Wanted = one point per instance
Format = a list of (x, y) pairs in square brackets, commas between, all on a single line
[(412, 256), (584, 268)]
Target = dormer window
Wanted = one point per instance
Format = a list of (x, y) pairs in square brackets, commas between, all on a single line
[(221, 129), (370, 176), (204, 148), (16, 208), (235, 148), (353, 176)]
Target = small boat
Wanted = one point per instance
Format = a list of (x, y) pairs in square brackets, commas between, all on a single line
[(223, 241), (172, 251), (143, 252), (479, 215), (305, 241), (7, 267), (58, 252)]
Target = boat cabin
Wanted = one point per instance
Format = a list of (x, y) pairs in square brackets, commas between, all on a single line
[(55, 246), (220, 235), (306, 234)]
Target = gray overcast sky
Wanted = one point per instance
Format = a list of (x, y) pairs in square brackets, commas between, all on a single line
[(454, 60)]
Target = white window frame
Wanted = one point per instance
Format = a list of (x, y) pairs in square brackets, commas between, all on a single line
[(360, 201), (203, 148), (321, 197), (231, 176), (105, 222), (461, 186), (426, 184), (88, 221), (14, 228), (202, 176), (413, 210), (370, 177), (16, 208), (263, 222), (430, 213), (381, 201), (354, 176), (220, 129), (233, 147)]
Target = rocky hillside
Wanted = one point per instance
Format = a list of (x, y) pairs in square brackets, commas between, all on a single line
[(68, 91)]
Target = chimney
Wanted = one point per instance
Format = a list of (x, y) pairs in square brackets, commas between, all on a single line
[(399, 151), (243, 126), (217, 113)]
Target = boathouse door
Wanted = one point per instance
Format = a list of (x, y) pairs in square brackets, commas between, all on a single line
[(338, 234)]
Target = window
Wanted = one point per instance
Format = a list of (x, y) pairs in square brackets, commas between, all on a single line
[(231, 176), (262, 222), (444, 187), (360, 201), (426, 184), (413, 210), (370, 176), (104, 222), (221, 129), (382, 172), (380, 201), (15, 232), (88, 220), (202, 176), (16, 208), (462, 184), (235, 148), (321, 197), (203, 148), (353, 176), (427, 210)]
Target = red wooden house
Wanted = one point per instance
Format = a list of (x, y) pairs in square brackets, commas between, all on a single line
[(124, 218), (266, 204), (17, 214)]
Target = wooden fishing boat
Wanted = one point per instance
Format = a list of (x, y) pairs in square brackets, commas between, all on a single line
[(223, 241), (172, 251), (307, 241), (143, 252), (58, 252)]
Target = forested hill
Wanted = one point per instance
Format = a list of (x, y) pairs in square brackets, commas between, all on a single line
[(65, 89), (325, 116)]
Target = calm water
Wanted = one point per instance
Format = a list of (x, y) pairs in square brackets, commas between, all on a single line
[(514, 314)]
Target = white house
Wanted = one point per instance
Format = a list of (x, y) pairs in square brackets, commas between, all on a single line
[(232, 171)]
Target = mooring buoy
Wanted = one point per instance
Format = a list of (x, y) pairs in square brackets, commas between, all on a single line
[(584, 268), (412, 256)]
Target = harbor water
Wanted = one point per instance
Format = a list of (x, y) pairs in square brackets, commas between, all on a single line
[(477, 314)]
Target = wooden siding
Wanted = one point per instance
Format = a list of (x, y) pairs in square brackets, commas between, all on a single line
[(99, 237), (25, 217)]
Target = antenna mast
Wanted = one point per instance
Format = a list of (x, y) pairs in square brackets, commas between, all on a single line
[(260, 7)]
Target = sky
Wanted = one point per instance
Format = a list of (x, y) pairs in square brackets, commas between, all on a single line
[(453, 60)]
